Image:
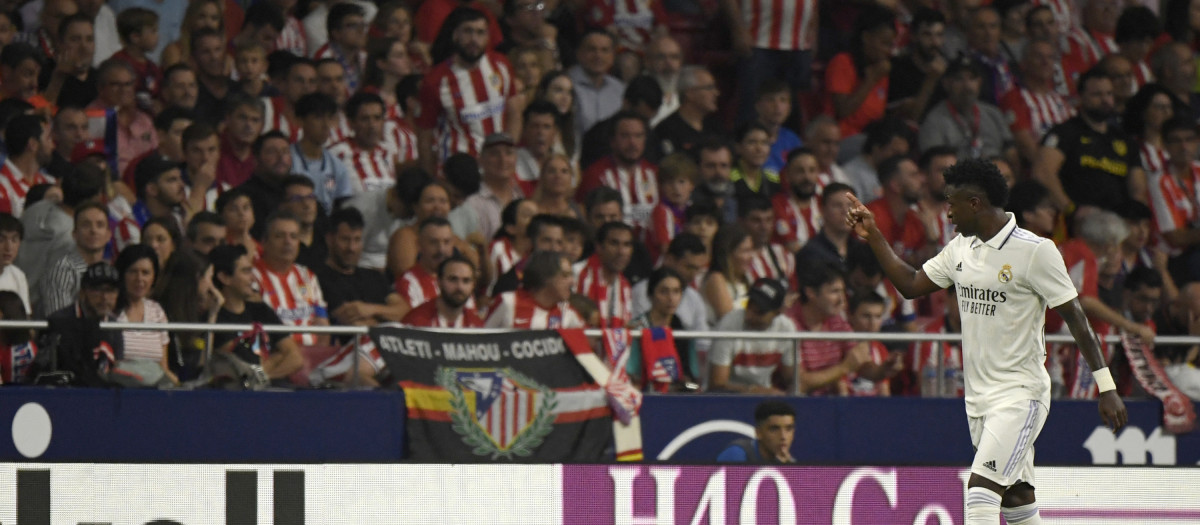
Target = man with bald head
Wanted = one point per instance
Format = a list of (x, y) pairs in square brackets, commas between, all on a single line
[(687, 126), (664, 60)]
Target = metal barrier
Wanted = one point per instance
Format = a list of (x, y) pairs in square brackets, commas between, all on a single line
[(904, 337)]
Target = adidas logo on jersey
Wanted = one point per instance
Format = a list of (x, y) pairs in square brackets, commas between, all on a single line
[(959, 267), (990, 464)]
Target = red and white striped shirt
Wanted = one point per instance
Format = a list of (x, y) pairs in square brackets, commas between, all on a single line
[(502, 256), (638, 186), (1142, 74), (614, 301), (427, 316), (294, 295), (518, 310), (666, 221), (1154, 159), (416, 285), (1035, 112), (633, 21), (1081, 45), (14, 186), (275, 118), (292, 38), (818, 354), (354, 67), (773, 261), (1063, 12), (463, 106), (340, 131), (793, 223), (370, 169), (1174, 202), (780, 24), (400, 138), (126, 231)]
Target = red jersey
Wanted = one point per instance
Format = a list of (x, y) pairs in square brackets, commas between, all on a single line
[(370, 169), (427, 316), (340, 131), (502, 256), (295, 296), (905, 237), (821, 354), (1081, 48), (465, 105), (275, 119), (292, 38), (794, 224), (1035, 112), (615, 302), (842, 78), (147, 74), (417, 286), (633, 21), (1063, 13), (519, 310), (638, 186), (1154, 159), (666, 221), (773, 261), (780, 24), (16, 362), (1174, 202), (14, 185), (1142, 74), (231, 170)]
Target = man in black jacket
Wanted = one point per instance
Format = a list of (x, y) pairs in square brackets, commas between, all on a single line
[(80, 347)]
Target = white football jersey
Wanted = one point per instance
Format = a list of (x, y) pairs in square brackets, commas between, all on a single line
[(1004, 285)]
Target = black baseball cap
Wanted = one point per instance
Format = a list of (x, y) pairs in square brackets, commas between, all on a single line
[(961, 64), (767, 294), (100, 274)]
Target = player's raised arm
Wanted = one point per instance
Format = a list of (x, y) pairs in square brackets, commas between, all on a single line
[(909, 282), (1112, 409)]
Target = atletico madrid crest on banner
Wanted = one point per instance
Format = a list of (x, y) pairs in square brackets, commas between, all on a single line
[(499, 412)]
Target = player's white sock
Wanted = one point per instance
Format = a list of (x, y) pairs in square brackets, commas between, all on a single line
[(1023, 515), (983, 507)]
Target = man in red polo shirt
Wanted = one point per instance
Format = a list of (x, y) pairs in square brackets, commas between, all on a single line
[(435, 241), (456, 280), (243, 125), (896, 212)]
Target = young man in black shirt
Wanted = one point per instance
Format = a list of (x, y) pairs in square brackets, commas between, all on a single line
[(233, 275), (354, 295)]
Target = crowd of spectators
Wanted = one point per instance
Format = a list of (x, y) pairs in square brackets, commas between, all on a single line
[(580, 163)]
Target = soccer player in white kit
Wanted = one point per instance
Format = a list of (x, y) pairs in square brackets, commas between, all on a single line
[(1005, 278)]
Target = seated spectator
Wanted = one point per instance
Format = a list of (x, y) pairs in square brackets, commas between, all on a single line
[(677, 177), (626, 171), (541, 303), (1034, 106), (1136, 251), (418, 283), (774, 431), (916, 75), (688, 258), (162, 235), (347, 27), (1174, 201), (983, 42), (755, 366), (663, 292), (76, 327), (557, 88), (243, 124), (821, 308), (461, 173), (199, 15), (771, 260), (292, 290), (21, 66), (201, 148), (29, 146), (68, 78), (137, 28), (510, 244), (864, 276), (160, 191), (773, 107), (272, 165), (60, 283), (797, 213), (835, 240), (963, 121), (48, 225), (750, 174), (555, 192), (250, 66), (180, 89), (170, 125), (896, 212), (866, 314), (1136, 30), (331, 82), (234, 276), (185, 290), (545, 234), (369, 161), (355, 296), (205, 231), (715, 160), (293, 77), (686, 128), (857, 80), (574, 239), (1030, 204), (601, 277), (384, 212), (135, 129), (17, 349), (69, 128), (499, 186), (300, 199), (430, 201), (884, 139), (11, 277), (725, 287), (823, 137), (456, 281), (310, 158), (138, 267)]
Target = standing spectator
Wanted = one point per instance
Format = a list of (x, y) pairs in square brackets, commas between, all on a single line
[(857, 80), (272, 164), (459, 110), (29, 145), (355, 296), (243, 125), (598, 94), (1144, 117), (68, 79), (755, 366), (1114, 175), (916, 75), (896, 212), (751, 176), (797, 214), (771, 260), (347, 26), (541, 303), (664, 61), (821, 308), (1136, 30), (48, 226), (499, 184), (180, 88), (310, 158), (1034, 107), (677, 178), (627, 171), (205, 231), (884, 139), (964, 120), (539, 135), (418, 283), (456, 280), (138, 267), (772, 39), (138, 29), (135, 129), (773, 106), (299, 80), (686, 128), (210, 56), (725, 286), (835, 241), (11, 277), (1174, 201), (642, 97), (663, 294), (601, 277), (368, 160), (234, 274), (292, 290), (983, 39)]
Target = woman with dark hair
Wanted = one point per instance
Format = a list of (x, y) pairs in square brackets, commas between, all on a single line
[(665, 288), (726, 286), (558, 89), (388, 61), (187, 295), (138, 267), (162, 234), (395, 20), (510, 244), (17, 348), (857, 80), (1144, 117)]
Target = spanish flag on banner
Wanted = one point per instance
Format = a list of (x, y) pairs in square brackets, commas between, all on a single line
[(518, 396)]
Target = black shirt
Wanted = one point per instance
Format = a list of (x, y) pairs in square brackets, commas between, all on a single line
[(77, 337), (265, 196), (368, 286), (904, 82), (674, 135), (210, 109), (253, 313), (820, 251), (74, 92), (596, 143), (1096, 165)]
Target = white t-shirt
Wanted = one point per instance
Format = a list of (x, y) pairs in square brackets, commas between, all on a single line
[(13, 280), (752, 361), (1004, 286)]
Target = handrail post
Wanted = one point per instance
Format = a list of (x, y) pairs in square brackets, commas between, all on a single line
[(354, 365)]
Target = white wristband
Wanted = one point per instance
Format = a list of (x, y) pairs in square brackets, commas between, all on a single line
[(1104, 380)]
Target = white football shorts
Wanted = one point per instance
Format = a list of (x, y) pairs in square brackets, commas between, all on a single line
[(1003, 440)]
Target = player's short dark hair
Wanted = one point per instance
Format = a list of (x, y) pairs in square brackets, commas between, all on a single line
[(224, 259), (1137, 23), (339, 12), (982, 175), (11, 224), (454, 259), (926, 158), (17, 52), (753, 202), (203, 217), (889, 168), (685, 244), (361, 99), (133, 20), (767, 409), (600, 196), (21, 129), (609, 227), (926, 17), (643, 89), (1143, 277), (862, 297), (542, 267), (349, 216)]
